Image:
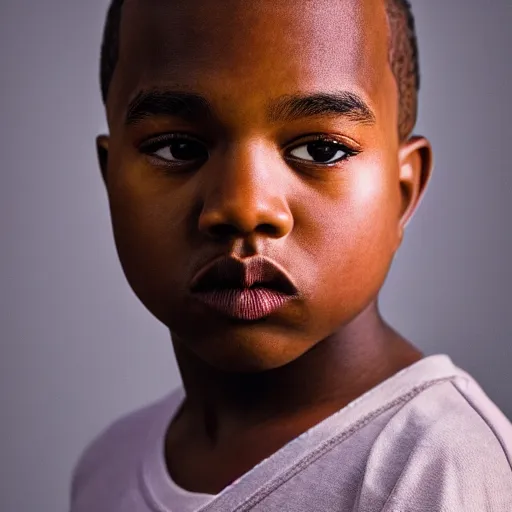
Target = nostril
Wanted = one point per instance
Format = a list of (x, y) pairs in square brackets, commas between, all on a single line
[(268, 229), (223, 230), (229, 230)]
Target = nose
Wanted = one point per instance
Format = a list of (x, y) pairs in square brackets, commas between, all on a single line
[(244, 194)]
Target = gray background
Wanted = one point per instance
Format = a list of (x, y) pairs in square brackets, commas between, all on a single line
[(78, 349)]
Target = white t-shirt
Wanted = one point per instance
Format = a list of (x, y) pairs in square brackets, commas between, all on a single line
[(427, 439)]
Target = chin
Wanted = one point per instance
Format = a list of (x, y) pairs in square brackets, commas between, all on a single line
[(235, 345), (247, 350)]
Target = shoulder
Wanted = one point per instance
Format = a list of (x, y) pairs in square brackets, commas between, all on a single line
[(116, 449), (448, 448)]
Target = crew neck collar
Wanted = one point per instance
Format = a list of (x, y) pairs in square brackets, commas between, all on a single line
[(160, 489)]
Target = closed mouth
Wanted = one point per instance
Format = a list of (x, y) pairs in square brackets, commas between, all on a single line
[(227, 273)]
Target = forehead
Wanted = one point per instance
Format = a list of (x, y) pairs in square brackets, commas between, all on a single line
[(262, 47)]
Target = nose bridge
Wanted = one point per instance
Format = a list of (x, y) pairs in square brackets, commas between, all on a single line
[(244, 190), (244, 171)]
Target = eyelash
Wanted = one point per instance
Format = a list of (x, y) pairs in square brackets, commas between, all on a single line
[(328, 139), (151, 146), (162, 141)]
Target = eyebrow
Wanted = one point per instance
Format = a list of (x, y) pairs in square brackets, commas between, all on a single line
[(192, 107), (186, 105), (347, 104)]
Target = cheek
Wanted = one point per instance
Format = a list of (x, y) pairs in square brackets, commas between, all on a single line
[(146, 211), (355, 240), (148, 227), (371, 210)]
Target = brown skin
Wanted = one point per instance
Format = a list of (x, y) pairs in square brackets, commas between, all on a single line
[(253, 386)]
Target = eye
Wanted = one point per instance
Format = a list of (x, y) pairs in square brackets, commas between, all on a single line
[(176, 149), (321, 152)]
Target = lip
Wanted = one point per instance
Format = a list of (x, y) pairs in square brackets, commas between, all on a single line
[(247, 289)]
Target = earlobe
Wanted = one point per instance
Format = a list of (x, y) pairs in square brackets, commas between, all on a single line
[(416, 162), (102, 142)]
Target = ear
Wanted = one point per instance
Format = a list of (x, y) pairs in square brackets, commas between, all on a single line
[(102, 142), (416, 162)]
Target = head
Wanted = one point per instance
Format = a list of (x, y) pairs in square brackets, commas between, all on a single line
[(260, 128)]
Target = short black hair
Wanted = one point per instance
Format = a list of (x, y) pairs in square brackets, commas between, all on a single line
[(403, 57)]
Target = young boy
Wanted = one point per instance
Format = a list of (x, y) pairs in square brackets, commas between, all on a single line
[(260, 171)]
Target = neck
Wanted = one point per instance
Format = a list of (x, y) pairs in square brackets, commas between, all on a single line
[(335, 371)]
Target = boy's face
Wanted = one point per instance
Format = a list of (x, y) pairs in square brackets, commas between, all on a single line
[(244, 182)]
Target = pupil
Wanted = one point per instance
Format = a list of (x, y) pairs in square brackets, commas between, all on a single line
[(321, 152), (187, 150)]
